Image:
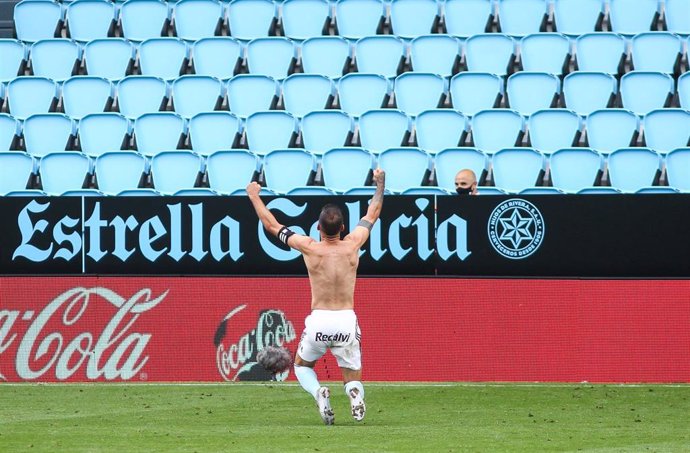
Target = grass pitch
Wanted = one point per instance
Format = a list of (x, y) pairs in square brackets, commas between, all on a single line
[(400, 418)]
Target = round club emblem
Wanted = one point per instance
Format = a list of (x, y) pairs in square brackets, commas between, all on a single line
[(516, 228)]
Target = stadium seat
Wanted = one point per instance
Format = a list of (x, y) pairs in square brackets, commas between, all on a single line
[(26, 193), (419, 91), (111, 58), (426, 190), (218, 56), (267, 131), (48, 132), (56, 59), (541, 191), (29, 95), (577, 17), (145, 192), (611, 129), (574, 169), (13, 55), (667, 129), (490, 52), (642, 92), (10, 131), (382, 54), (193, 94), (449, 162), (630, 17), (158, 132), (119, 170), (657, 190), (553, 129), (304, 93), (62, 171), (439, 129), (359, 92), (264, 192), (82, 193), (196, 192), (364, 191), (464, 18), (405, 167), (545, 52), (522, 17), (657, 51), (250, 19), (104, 132), (412, 18), (249, 94), (684, 90), (585, 92), (677, 15), (16, 171), (529, 92), (91, 19), (601, 52), (166, 58), (599, 190), (311, 191), (328, 56), (516, 169), (175, 170), (232, 170), (137, 95), (678, 169), (436, 54), (82, 95), (326, 129), (383, 129), (144, 19), (493, 130), (359, 18), (484, 190), (631, 169), (37, 19), (197, 19), (345, 168), (471, 92), (213, 131), (303, 19), (286, 169), (274, 57)]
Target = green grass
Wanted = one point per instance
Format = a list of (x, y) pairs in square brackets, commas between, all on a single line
[(282, 417)]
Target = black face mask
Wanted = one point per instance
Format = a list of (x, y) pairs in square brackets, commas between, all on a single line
[(464, 190)]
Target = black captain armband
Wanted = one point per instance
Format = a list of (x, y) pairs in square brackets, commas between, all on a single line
[(366, 224), (284, 234)]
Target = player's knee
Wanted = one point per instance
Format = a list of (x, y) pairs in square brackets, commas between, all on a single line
[(299, 361)]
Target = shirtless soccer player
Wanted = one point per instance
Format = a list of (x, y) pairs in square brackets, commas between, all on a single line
[(332, 266)]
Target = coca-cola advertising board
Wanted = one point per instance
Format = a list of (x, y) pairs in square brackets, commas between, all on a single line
[(134, 329)]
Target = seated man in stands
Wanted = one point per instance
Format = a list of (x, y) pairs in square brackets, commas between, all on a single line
[(466, 182)]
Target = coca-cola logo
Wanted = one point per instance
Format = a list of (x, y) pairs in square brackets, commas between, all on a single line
[(62, 340), (236, 349)]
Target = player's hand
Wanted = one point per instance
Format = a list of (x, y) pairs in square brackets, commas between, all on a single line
[(379, 176), (253, 189)]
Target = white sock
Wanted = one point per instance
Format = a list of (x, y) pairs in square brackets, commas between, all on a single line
[(354, 385), (307, 379)]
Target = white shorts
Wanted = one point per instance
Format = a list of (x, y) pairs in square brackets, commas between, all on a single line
[(336, 330)]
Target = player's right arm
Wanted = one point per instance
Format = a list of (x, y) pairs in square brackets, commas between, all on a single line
[(361, 232)]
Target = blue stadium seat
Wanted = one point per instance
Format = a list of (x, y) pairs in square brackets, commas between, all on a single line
[(601, 52), (166, 58), (213, 131), (529, 92), (657, 190), (218, 56), (197, 19), (144, 19), (56, 59), (611, 129), (158, 132), (345, 168), (418, 91), (82, 95), (267, 131), (328, 56), (359, 18), (172, 171), (412, 18), (667, 129), (193, 94), (232, 170), (678, 169), (574, 169), (274, 56), (196, 192), (311, 191), (48, 132), (599, 190), (82, 193), (145, 192), (64, 170), (264, 192), (553, 129), (380, 54), (111, 58), (13, 55), (490, 52), (37, 19), (137, 95), (464, 18), (249, 94), (677, 14), (657, 51), (10, 131), (484, 190), (383, 129), (16, 171), (119, 170), (450, 161), (631, 169), (359, 92), (286, 169), (577, 17), (545, 52), (104, 132), (26, 193), (250, 19), (303, 19), (91, 19), (364, 191), (29, 95), (684, 90), (541, 191), (304, 93), (426, 190), (436, 54), (405, 167), (522, 17), (516, 169), (493, 130), (642, 92), (326, 129), (471, 92), (585, 92), (439, 129), (630, 17)]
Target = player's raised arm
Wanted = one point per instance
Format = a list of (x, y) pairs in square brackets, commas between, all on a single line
[(361, 232)]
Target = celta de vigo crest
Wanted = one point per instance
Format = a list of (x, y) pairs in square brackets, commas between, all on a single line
[(516, 228)]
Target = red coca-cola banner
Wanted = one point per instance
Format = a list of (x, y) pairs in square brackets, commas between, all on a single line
[(78, 329)]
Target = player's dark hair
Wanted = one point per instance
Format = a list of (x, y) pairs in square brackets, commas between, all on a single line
[(331, 220)]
